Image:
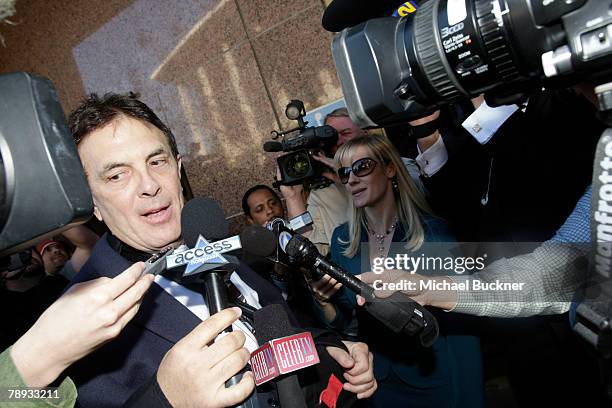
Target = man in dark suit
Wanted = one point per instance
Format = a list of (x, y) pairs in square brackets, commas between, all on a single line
[(133, 169)]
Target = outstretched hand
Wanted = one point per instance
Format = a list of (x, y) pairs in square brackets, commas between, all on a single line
[(85, 317)]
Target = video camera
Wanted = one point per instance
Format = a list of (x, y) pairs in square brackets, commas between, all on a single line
[(43, 189), (298, 167), (393, 70)]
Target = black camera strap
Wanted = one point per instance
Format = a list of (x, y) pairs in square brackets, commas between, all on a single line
[(593, 310)]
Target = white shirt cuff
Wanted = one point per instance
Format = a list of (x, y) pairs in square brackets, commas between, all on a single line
[(431, 160)]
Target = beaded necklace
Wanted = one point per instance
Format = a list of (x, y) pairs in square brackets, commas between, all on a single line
[(380, 238)]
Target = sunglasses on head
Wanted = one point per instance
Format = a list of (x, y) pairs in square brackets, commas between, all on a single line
[(360, 168)]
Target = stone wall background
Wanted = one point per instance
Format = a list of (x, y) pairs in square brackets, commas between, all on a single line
[(218, 72)]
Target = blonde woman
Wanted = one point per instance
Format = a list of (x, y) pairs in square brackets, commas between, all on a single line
[(388, 208)]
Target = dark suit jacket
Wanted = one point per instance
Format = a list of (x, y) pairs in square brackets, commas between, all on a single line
[(535, 168), (110, 375)]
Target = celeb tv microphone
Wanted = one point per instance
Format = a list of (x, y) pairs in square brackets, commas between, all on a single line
[(398, 312), (271, 322)]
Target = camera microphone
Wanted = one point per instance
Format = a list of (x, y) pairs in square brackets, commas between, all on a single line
[(272, 146)]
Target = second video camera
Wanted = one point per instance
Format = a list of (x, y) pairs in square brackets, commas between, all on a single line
[(298, 166)]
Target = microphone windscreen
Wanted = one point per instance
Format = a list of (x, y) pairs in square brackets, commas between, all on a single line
[(271, 322), (258, 241), (203, 216), (272, 146)]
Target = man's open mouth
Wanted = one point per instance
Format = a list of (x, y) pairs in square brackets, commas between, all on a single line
[(158, 215)]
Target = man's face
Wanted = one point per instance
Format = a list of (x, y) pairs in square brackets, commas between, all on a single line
[(54, 257), (135, 183), (346, 130), (264, 207)]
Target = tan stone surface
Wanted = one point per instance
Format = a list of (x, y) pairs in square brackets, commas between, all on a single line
[(218, 72)]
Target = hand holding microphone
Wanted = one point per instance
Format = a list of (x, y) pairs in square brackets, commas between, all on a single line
[(205, 365), (358, 364), (324, 288), (398, 312), (443, 299)]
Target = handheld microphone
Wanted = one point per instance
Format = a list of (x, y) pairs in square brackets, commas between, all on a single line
[(399, 312), (205, 216), (271, 322)]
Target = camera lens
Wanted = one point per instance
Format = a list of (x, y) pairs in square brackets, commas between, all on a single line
[(298, 165)]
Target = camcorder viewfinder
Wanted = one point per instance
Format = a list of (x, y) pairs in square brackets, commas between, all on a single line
[(298, 166)]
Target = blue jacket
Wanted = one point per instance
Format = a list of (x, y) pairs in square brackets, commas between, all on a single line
[(111, 374), (453, 365)]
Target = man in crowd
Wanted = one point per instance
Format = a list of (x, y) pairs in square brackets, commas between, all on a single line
[(340, 120), (133, 169), (54, 255), (261, 204)]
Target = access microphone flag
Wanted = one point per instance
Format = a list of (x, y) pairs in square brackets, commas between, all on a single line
[(282, 356)]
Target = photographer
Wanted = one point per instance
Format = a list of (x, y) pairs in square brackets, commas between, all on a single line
[(497, 184), (261, 205), (327, 206)]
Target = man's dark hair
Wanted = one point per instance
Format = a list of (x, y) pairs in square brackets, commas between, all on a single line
[(245, 197), (96, 112)]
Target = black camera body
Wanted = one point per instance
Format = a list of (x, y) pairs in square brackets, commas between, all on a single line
[(393, 70), (396, 70), (43, 188), (298, 166)]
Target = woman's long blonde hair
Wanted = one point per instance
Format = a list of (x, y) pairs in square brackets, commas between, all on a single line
[(409, 201)]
